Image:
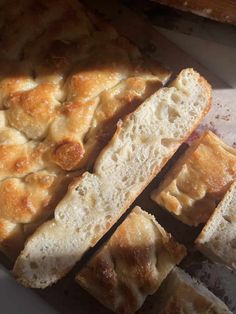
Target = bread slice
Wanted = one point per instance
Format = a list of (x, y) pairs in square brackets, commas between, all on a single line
[(141, 146), (60, 101), (132, 264), (180, 293), (198, 180), (218, 238)]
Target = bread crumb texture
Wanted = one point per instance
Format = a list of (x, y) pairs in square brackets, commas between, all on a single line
[(141, 146), (218, 238), (66, 78)]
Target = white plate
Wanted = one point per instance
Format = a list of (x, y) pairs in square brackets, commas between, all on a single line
[(16, 299)]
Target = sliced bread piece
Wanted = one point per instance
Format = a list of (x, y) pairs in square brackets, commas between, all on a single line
[(180, 293), (198, 180), (218, 238), (132, 264), (141, 146)]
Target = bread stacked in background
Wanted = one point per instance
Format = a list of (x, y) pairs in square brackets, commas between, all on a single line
[(81, 107)]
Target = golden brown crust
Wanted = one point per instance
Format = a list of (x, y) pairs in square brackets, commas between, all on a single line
[(66, 79), (132, 264), (198, 180)]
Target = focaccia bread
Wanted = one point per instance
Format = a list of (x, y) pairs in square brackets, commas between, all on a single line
[(217, 239), (198, 180), (132, 264), (66, 79), (141, 146), (181, 294)]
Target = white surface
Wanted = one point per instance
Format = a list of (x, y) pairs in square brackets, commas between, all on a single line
[(219, 59), (15, 299)]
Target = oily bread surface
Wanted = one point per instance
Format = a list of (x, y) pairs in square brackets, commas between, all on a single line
[(132, 264), (198, 180), (141, 146), (66, 77)]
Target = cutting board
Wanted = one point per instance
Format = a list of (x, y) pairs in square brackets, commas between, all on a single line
[(66, 297), (219, 10)]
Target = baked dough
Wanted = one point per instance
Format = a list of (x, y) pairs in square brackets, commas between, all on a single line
[(66, 79), (198, 180), (181, 294), (217, 239), (132, 264), (142, 144)]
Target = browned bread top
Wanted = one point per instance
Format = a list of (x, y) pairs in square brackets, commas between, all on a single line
[(66, 78), (198, 180), (144, 141), (132, 264)]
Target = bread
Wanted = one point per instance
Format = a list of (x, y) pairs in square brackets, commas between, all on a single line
[(180, 293), (141, 146), (198, 180), (219, 10), (217, 240), (66, 79), (132, 264)]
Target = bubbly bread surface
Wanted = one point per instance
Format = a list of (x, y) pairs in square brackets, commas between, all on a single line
[(142, 144), (66, 78), (198, 180), (217, 240), (182, 294), (132, 264)]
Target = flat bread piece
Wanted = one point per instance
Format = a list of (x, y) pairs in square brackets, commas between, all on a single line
[(217, 239), (66, 79), (132, 264), (198, 180), (181, 294), (141, 146)]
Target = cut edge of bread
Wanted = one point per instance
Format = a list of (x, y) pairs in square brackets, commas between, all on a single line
[(179, 277), (58, 244), (175, 252), (211, 227), (173, 173)]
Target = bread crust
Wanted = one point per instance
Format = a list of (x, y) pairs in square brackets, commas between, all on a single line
[(97, 200), (182, 294), (193, 187), (66, 78), (132, 264)]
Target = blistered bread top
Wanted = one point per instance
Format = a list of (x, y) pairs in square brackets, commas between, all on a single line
[(132, 264), (198, 180), (66, 78)]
